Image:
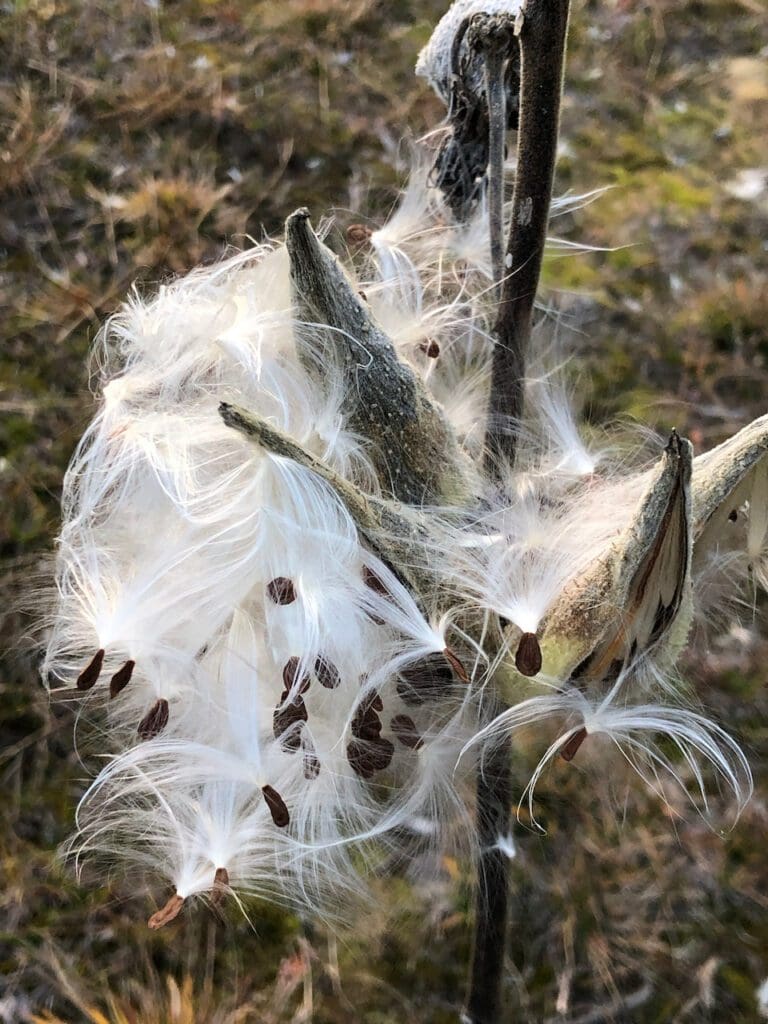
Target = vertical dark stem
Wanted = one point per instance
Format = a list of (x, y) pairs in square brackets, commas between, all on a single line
[(494, 796), (542, 48)]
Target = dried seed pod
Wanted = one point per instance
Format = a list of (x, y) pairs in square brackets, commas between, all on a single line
[(528, 655), (404, 727), (166, 913), (91, 672), (121, 678), (276, 806), (292, 676), (327, 673), (571, 748), (281, 590), (155, 720)]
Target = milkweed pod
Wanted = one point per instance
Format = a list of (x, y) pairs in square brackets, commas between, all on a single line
[(636, 595)]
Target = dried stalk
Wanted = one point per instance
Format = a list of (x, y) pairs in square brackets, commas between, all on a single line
[(542, 47)]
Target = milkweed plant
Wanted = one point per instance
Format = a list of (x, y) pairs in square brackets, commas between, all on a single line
[(335, 534)]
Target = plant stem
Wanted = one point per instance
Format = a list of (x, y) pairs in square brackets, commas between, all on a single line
[(542, 46), (494, 795)]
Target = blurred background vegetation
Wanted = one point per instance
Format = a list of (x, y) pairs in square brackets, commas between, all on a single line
[(138, 139)]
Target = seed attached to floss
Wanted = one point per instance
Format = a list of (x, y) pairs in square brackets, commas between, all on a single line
[(327, 673), (311, 760), (368, 757), (425, 680), (166, 913), (91, 672), (571, 748), (281, 590), (404, 727), (276, 806), (292, 676), (528, 655), (370, 579), (366, 724), (155, 720), (121, 678), (430, 348), (220, 886), (358, 235), (287, 721), (456, 665)]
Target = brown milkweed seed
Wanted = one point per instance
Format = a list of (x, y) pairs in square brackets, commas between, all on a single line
[(367, 758), (166, 913), (427, 679), (155, 720), (91, 672), (327, 673), (287, 722), (220, 885), (121, 678), (281, 590), (358, 235), (528, 655), (311, 760), (276, 806), (571, 748), (404, 727), (456, 665), (292, 676)]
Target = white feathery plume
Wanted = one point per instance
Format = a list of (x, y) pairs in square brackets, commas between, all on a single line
[(289, 655), (635, 730)]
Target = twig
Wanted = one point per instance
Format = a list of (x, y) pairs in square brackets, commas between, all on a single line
[(542, 46), (494, 796)]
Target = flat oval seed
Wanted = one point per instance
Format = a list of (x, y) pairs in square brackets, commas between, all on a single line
[(456, 665), (281, 590), (155, 720), (311, 760), (404, 727), (91, 672), (367, 758), (327, 673), (528, 655), (276, 806), (571, 748), (121, 678), (425, 680), (287, 722), (166, 913), (220, 885), (292, 677)]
